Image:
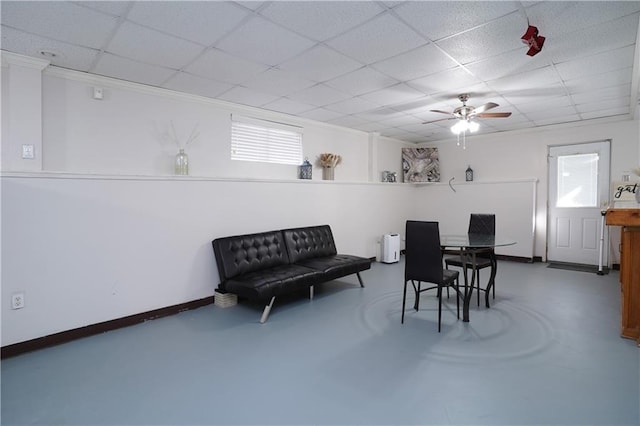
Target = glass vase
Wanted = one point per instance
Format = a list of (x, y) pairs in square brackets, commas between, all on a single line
[(182, 163)]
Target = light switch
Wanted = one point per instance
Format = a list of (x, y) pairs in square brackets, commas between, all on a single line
[(28, 152)]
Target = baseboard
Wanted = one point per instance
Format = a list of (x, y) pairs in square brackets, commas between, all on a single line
[(102, 327)]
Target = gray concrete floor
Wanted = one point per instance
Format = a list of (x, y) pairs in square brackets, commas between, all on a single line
[(548, 351)]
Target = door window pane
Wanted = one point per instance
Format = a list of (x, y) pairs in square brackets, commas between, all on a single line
[(578, 180)]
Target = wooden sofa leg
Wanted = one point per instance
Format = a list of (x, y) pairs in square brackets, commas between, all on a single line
[(267, 309), (360, 279), (311, 293)]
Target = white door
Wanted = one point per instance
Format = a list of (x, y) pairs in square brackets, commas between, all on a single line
[(578, 191)]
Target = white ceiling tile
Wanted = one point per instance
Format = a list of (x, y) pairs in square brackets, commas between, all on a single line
[(262, 41), (494, 38), (438, 19), (401, 120), (445, 81), (600, 81), (416, 106), (555, 18), (604, 104), (424, 60), (417, 138), (277, 82), (591, 40), (67, 55), (605, 113), (244, 96), (393, 95), (380, 114), (252, 5), (589, 53), (558, 119), (362, 81), (189, 83), (319, 95), (551, 113), (353, 106), (535, 79), (516, 96), (511, 63), (597, 95), (547, 103), (380, 38), (288, 106), (597, 64), (114, 8), (150, 46), (320, 64), (394, 132), (320, 20), (369, 126), (416, 127), (515, 126), (203, 22), (321, 114), (62, 21), (348, 121), (218, 65), (130, 70)]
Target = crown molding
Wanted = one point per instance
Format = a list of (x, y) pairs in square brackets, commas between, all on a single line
[(9, 58)]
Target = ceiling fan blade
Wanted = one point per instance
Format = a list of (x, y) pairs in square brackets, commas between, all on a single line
[(485, 107), (441, 119), (441, 112), (493, 115)]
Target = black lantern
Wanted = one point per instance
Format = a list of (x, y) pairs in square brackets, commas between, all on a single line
[(468, 174), (305, 169)]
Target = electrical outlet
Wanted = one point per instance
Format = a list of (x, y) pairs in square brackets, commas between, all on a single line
[(17, 301), (28, 151)]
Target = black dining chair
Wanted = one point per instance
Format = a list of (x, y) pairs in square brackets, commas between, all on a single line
[(482, 224), (423, 263)]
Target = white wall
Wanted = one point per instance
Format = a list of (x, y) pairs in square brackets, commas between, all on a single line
[(523, 155), (451, 206), (95, 249), (104, 230), (123, 133)]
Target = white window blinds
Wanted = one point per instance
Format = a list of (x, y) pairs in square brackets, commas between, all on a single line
[(265, 141)]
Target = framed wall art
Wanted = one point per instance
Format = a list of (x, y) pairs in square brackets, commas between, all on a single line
[(420, 165)]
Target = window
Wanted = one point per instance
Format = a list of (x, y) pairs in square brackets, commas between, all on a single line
[(578, 180), (265, 141)]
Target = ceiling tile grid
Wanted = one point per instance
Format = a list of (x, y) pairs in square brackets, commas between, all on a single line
[(373, 66)]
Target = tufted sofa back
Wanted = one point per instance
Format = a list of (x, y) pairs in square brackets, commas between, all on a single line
[(312, 241), (242, 254)]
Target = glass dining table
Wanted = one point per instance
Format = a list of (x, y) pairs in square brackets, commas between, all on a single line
[(469, 246)]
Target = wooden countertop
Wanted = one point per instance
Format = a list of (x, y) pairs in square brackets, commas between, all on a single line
[(623, 217)]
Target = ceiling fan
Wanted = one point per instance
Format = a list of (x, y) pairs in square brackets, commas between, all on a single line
[(466, 113)]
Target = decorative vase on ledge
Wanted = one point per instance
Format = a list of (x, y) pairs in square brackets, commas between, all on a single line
[(182, 163), (327, 173)]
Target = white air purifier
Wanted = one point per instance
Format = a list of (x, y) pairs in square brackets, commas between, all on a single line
[(390, 248)]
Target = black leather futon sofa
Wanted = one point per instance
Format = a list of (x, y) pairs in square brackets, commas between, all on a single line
[(265, 265)]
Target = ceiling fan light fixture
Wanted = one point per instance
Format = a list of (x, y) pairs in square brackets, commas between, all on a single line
[(463, 126)]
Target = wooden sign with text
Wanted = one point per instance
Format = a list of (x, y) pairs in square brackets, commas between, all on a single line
[(625, 193)]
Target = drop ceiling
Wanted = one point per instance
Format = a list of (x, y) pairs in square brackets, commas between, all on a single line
[(373, 66)]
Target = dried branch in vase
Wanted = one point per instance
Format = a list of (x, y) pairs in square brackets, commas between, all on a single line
[(329, 160), (182, 145)]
